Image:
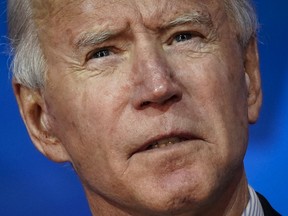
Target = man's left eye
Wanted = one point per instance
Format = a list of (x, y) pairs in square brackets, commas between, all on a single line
[(183, 37), (101, 53)]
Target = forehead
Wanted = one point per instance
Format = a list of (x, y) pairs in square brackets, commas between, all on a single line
[(62, 22), (62, 12)]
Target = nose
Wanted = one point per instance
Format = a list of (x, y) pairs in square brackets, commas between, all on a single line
[(155, 83)]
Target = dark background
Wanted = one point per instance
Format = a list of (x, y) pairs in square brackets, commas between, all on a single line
[(32, 185)]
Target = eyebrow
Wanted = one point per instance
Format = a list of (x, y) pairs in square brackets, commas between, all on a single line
[(94, 38), (194, 17)]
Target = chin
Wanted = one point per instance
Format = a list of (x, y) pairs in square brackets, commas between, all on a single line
[(178, 193), (189, 191), (173, 204)]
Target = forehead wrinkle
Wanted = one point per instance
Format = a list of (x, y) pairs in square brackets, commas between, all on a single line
[(160, 19), (50, 13), (100, 35)]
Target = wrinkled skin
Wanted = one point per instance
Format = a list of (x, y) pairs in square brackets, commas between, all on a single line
[(104, 102)]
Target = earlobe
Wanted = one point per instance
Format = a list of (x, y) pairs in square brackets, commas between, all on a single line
[(253, 80), (33, 111)]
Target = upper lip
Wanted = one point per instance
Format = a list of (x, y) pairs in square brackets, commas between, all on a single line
[(183, 136)]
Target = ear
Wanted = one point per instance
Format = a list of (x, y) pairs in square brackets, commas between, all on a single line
[(253, 80), (34, 113)]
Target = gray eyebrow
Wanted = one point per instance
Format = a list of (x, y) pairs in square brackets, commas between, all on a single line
[(194, 17), (93, 38)]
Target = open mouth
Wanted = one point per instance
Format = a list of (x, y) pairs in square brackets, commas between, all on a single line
[(165, 142)]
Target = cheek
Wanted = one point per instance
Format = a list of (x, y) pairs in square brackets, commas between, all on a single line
[(217, 90), (87, 118), (84, 123), (213, 81)]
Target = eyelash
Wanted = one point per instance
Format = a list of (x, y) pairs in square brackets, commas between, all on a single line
[(100, 53), (183, 37), (190, 35)]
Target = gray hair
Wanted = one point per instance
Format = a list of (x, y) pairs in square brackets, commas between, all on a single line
[(29, 67)]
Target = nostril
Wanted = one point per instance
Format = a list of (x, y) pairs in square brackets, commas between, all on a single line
[(170, 100), (174, 98), (145, 103)]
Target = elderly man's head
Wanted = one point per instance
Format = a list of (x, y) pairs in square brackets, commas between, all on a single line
[(149, 100)]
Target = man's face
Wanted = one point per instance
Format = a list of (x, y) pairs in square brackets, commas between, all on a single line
[(148, 98)]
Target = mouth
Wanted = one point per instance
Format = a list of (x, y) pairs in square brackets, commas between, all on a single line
[(161, 142)]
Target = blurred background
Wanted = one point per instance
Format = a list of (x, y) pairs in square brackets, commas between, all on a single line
[(32, 185)]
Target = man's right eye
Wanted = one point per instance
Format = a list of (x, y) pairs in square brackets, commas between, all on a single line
[(100, 53), (183, 37)]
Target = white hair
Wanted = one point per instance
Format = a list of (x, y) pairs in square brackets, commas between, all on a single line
[(243, 16), (29, 67)]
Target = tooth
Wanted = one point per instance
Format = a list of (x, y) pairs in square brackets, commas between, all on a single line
[(165, 142), (169, 143), (169, 140), (162, 145)]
